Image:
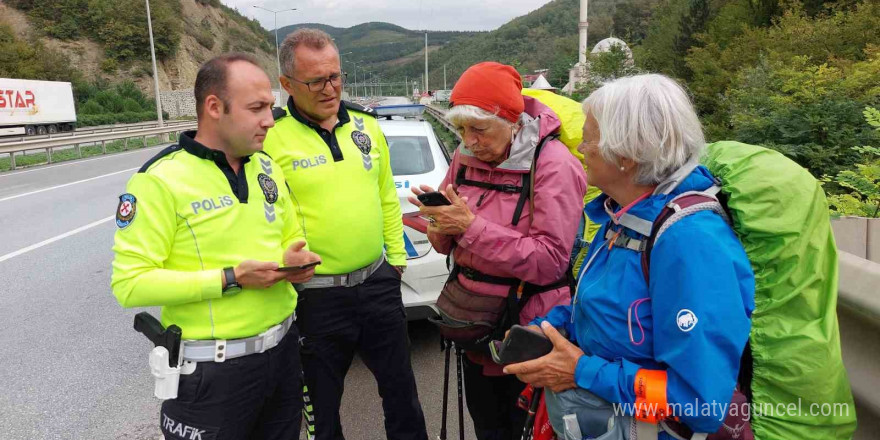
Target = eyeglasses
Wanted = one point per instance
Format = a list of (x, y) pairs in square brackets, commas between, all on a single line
[(335, 80)]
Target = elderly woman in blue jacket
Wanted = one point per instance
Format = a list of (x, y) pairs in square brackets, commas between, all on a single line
[(658, 345)]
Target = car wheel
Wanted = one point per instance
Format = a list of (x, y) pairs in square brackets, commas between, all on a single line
[(53, 129), (30, 130), (41, 130)]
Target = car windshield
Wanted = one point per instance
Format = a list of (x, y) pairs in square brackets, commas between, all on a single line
[(410, 155)]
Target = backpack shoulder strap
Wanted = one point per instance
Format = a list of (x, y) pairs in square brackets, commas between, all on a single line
[(528, 182), (681, 206)]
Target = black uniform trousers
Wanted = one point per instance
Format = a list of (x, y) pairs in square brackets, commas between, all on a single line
[(369, 320), (258, 396), (491, 402)]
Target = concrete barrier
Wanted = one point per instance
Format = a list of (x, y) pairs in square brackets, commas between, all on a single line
[(858, 311), (859, 236)]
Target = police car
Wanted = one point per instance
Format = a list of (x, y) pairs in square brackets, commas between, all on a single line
[(417, 157)]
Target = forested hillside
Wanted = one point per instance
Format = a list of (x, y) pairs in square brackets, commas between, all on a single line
[(102, 47), (377, 43), (544, 39)]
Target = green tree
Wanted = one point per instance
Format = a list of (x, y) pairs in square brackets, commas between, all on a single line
[(863, 183), (691, 24), (657, 51), (604, 67), (632, 19)]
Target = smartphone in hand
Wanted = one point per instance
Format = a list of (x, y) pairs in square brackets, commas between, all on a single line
[(435, 198), (296, 268), (521, 344)]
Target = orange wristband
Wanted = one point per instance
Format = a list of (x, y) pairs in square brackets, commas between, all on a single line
[(650, 388)]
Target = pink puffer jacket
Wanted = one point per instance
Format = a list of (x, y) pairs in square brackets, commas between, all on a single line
[(536, 250)]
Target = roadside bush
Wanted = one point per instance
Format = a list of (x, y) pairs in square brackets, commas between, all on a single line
[(110, 100), (129, 105), (91, 108), (84, 120)]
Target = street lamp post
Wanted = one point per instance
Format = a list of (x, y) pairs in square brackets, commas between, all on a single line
[(277, 49), (155, 70), (355, 83)]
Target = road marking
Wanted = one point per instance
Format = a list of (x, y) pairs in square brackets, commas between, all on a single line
[(76, 162), (68, 184), (54, 239)]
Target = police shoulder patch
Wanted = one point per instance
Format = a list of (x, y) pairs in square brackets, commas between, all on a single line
[(269, 187), (126, 210), (360, 108)]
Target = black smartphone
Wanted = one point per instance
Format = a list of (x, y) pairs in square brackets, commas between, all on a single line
[(521, 344), (295, 268), (433, 199)]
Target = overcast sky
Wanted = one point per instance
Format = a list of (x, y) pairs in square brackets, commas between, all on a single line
[(452, 15)]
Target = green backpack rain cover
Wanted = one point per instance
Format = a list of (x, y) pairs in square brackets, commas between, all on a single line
[(781, 217)]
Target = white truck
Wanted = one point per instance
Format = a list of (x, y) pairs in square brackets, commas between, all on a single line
[(29, 107)]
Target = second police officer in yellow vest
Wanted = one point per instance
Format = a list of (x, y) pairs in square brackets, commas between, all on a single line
[(335, 160)]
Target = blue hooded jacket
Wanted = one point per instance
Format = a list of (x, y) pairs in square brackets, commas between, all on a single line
[(696, 323)]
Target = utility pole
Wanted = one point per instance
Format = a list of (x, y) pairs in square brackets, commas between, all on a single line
[(426, 61), (155, 70), (355, 78), (405, 86), (277, 49), (444, 77)]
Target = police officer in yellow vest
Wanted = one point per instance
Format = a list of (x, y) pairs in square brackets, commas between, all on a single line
[(203, 228), (335, 159)]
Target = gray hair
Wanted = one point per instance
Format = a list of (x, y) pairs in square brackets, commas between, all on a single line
[(648, 119), (458, 114), (311, 38)]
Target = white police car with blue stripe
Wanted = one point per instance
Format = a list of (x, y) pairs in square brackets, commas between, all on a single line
[(417, 158)]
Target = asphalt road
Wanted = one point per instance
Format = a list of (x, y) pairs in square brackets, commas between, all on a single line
[(71, 366)]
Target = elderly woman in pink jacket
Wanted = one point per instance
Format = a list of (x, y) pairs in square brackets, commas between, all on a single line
[(516, 195)]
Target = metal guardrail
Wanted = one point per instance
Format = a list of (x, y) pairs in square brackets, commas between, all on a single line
[(440, 115), (6, 141), (90, 139)]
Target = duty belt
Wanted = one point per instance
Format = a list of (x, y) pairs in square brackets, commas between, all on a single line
[(219, 350), (350, 279)]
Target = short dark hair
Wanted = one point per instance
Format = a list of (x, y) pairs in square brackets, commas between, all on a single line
[(211, 79)]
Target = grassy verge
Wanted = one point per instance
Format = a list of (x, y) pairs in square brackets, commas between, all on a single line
[(39, 157), (449, 139)]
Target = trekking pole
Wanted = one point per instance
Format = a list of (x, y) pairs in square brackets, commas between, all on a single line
[(528, 429), (460, 375), (445, 346)]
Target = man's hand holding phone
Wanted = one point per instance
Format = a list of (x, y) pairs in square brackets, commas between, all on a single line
[(299, 263)]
